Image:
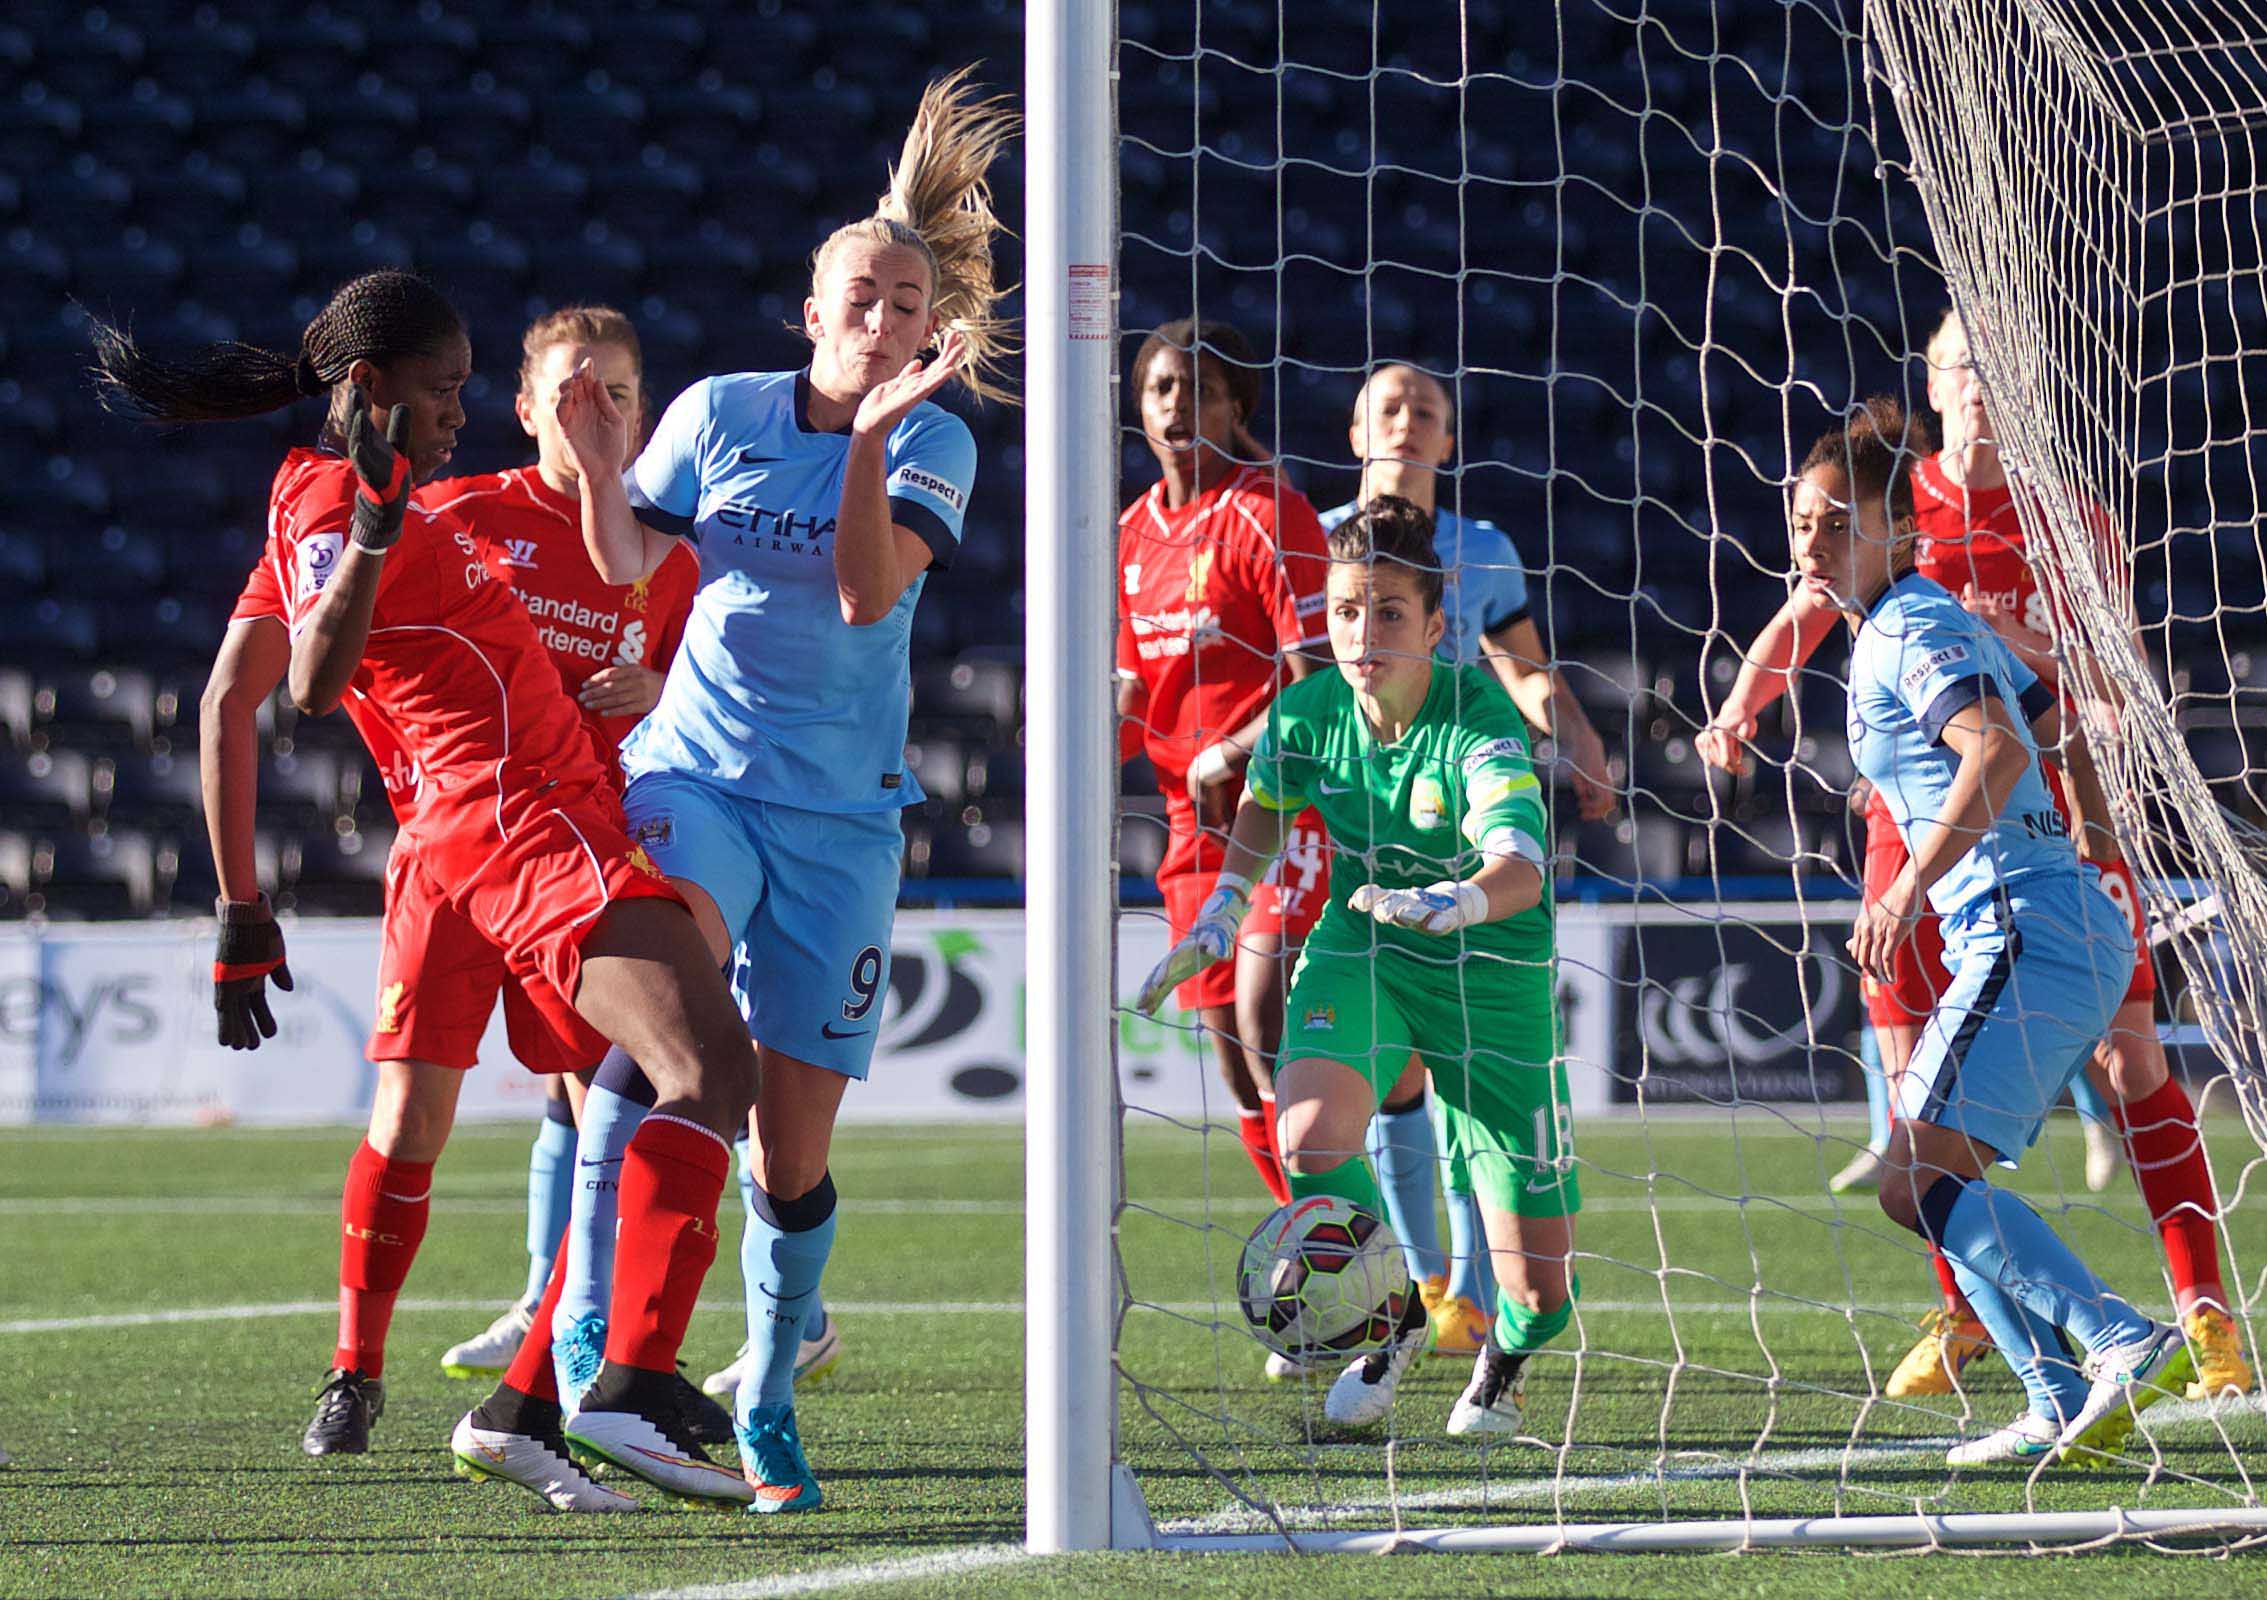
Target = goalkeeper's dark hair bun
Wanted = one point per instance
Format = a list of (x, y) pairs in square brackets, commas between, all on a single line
[(378, 317), (1390, 528)]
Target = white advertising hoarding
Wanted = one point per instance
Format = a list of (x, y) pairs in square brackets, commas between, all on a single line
[(115, 1025)]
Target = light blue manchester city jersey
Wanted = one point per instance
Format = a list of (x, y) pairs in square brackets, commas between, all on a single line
[(772, 694), (1919, 660), (1485, 587)]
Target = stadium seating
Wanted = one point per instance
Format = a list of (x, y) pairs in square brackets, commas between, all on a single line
[(215, 171)]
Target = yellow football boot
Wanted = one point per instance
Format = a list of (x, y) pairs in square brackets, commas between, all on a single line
[(2218, 1347), (1948, 1342)]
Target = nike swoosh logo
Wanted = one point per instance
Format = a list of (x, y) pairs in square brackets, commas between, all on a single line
[(750, 458), (844, 1033), (1324, 786), (601, 1162)]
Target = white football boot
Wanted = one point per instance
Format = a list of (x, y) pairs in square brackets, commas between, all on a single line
[(1863, 1172), (2028, 1438), (540, 1466), (1281, 1368), (814, 1359), (490, 1351), (2128, 1379), (1363, 1393), (631, 1420), (1496, 1398)]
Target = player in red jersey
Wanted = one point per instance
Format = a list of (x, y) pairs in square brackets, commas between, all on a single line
[(437, 987), (1222, 567), (1972, 542), (611, 643), (517, 833)]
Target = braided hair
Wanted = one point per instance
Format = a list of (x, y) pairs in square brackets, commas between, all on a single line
[(379, 317)]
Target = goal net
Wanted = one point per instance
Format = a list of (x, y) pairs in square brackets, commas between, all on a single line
[(1646, 255)]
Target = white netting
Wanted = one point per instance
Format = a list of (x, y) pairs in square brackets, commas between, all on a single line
[(1651, 253)]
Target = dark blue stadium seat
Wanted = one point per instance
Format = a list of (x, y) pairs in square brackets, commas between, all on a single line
[(167, 630), (96, 58), (989, 845), (482, 127), (38, 631), (52, 789), (987, 695), (314, 53), (157, 792), (79, 709), (334, 874), (652, 47), (536, 50), (940, 766), (115, 562), (302, 790), (15, 876), (37, 129), (204, 55), (98, 876)]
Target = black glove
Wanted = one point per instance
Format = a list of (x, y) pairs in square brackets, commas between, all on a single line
[(251, 952), (383, 467)]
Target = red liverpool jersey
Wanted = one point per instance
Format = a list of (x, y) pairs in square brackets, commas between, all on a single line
[(453, 669), (530, 536), (263, 597), (1210, 596), (1973, 536)]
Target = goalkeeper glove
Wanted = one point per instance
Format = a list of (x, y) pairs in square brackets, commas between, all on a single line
[(1209, 939), (1437, 908), (251, 952), (382, 463)]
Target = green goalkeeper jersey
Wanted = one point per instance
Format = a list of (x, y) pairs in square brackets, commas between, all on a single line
[(1412, 813)]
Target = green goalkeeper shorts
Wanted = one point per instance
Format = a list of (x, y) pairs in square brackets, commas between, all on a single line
[(1488, 1037)]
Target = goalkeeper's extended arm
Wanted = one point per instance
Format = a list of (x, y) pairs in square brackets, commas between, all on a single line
[(1253, 844), (1508, 882)]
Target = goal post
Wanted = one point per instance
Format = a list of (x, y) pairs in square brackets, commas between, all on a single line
[(1649, 254), (1071, 1197)]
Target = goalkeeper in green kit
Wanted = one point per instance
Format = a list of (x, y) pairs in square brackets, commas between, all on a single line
[(1438, 939)]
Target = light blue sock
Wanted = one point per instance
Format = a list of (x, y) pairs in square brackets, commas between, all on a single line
[(815, 1319), (2033, 1349), (1877, 1089), (608, 1121), (550, 1193), (783, 1254), (1471, 1270), (2090, 1103), (2001, 1240), (1408, 1161)]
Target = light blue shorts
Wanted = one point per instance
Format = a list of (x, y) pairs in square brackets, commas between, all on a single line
[(2036, 975), (813, 895)]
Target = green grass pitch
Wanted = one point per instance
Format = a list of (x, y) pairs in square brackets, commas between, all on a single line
[(160, 1455)]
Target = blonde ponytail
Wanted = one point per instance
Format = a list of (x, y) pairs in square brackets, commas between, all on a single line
[(939, 203)]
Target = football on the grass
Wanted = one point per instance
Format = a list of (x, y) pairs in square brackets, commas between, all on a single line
[(1323, 1277)]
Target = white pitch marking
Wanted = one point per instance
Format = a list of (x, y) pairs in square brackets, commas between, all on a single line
[(827, 1580), (1771, 1464), (97, 1321)]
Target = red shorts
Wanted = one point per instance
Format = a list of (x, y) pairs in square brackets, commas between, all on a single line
[(510, 921), (1285, 905), (1917, 974)]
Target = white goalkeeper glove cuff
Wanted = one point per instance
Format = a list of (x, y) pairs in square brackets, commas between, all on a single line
[(1210, 938), (1437, 908)]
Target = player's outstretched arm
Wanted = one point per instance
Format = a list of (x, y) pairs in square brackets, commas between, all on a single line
[(622, 548), (1253, 844), (1508, 884), (1767, 671)]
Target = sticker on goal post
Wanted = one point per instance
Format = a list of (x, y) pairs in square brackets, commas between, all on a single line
[(1089, 300)]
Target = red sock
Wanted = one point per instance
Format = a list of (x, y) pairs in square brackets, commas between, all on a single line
[(382, 1220), (1257, 1130), (531, 1372), (672, 1177), (2176, 1185)]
